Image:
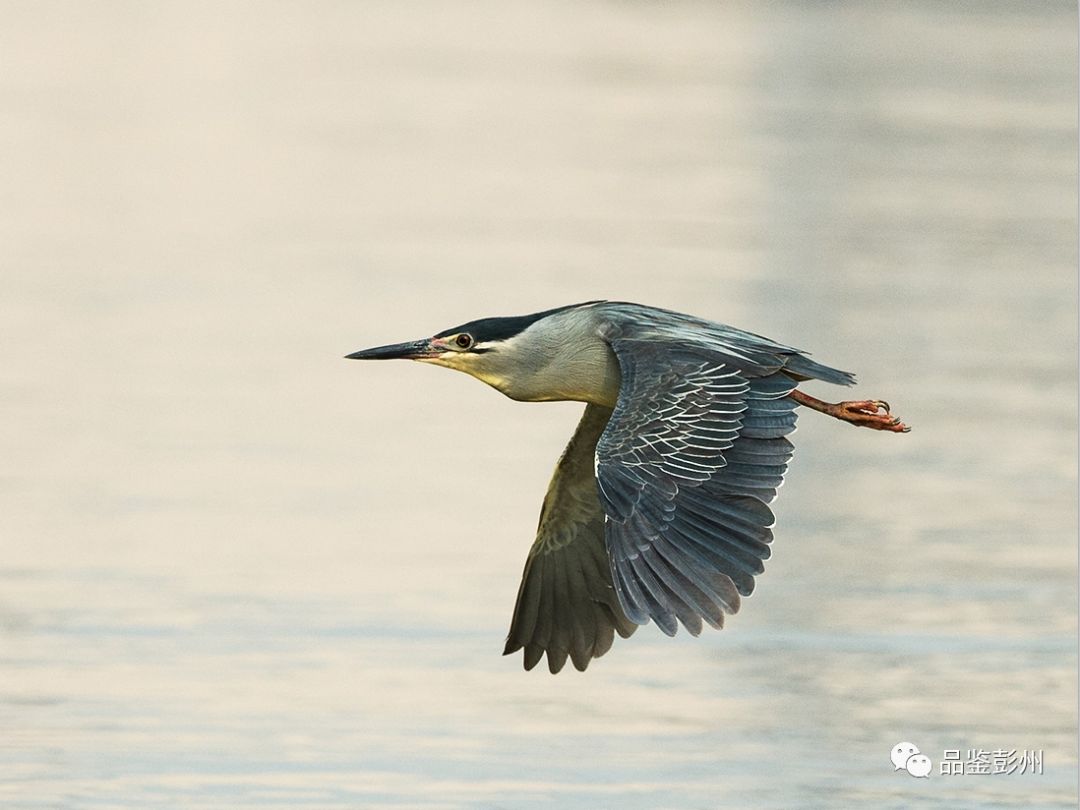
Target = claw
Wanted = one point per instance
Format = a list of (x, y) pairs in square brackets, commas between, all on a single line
[(871, 413)]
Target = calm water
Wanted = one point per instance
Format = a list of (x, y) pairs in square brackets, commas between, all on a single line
[(238, 571)]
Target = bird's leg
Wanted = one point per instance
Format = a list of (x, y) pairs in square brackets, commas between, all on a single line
[(870, 413)]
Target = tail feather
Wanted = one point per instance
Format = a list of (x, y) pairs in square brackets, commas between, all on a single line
[(802, 367)]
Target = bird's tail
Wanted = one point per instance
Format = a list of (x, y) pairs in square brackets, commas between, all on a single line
[(802, 367)]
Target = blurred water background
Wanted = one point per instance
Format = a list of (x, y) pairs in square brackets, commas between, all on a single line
[(239, 571)]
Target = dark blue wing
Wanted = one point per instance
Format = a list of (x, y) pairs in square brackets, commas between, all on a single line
[(690, 458)]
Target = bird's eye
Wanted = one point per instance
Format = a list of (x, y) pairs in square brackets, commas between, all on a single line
[(463, 341)]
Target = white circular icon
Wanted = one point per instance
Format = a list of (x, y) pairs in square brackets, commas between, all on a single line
[(918, 765), (901, 752), (905, 756)]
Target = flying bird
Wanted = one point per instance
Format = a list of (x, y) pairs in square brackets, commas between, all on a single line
[(658, 508)]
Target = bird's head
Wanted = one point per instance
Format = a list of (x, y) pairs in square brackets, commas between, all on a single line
[(494, 350)]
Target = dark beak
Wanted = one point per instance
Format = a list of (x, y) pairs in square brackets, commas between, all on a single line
[(399, 351)]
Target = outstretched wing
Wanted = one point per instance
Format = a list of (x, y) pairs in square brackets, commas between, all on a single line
[(691, 455), (566, 605)]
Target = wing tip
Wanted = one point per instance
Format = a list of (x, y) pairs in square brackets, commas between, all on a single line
[(556, 658)]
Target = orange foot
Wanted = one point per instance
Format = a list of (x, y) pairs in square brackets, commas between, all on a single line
[(869, 413)]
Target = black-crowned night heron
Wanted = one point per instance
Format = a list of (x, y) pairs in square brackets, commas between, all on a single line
[(658, 508)]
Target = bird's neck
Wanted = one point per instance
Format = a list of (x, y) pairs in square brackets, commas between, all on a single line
[(579, 367)]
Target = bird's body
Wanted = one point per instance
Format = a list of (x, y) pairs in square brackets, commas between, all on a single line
[(658, 507)]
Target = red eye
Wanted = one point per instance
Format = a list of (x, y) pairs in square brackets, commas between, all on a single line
[(464, 341)]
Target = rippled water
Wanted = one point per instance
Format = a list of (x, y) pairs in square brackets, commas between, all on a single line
[(239, 571)]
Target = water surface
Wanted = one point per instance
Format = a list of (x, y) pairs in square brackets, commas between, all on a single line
[(239, 571)]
